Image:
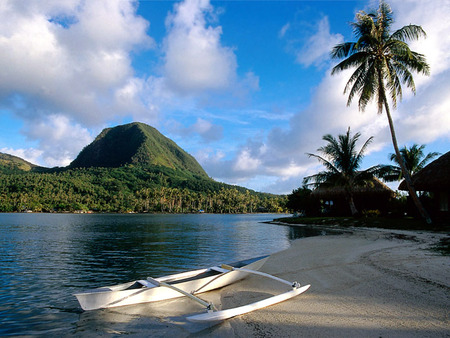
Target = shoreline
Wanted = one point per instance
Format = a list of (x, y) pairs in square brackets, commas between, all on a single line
[(371, 282), (365, 282)]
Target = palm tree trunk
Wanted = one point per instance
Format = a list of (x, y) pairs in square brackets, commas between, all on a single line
[(409, 183), (352, 206)]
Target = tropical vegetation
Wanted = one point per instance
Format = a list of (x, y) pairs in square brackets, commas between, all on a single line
[(127, 189), (128, 168), (383, 62), (342, 162), (414, 159)]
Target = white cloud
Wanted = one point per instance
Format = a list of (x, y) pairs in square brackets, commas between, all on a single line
[(68, 64), (245, 162), (195, 59), (317, 48), (30, 154), (283, 30), (431, 15), (68, 59), (59, 139), (423, 118), (207, 131)]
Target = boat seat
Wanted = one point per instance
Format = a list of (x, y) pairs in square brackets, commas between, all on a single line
[(219, 269), (146, 283)]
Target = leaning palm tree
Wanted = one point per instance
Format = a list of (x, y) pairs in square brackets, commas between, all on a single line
[(383, 62), (414, 159), (342, 162)]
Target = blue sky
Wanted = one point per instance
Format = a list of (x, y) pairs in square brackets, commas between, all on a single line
[(244, 86)]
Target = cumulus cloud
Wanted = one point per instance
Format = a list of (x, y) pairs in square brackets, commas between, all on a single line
[(425, 117), (317, 48), (68, 58), (67, 63), (422, 118), (59, 139), (195, 60), (207, 131), (31, 155)]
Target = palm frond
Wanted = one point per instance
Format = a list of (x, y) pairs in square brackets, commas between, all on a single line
[(408, 33), (354, 60), (369, 86), (343, 50), (383, 61), (327, 164), (363, 149), (356, 81), (426, 159), (384, 20)]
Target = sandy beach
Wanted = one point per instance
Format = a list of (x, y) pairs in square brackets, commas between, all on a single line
[(371, 283), (365, 283)]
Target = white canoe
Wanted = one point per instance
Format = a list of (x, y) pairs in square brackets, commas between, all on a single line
[(168, 287)]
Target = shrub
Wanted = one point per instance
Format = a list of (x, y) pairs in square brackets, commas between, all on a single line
[(371, 213)]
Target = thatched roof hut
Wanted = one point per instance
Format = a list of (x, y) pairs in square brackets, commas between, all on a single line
[(373, 187), (434, 177), (374, 196)]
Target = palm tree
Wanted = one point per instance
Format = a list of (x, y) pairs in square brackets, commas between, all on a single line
[(414, 160), (383, 62), (342, 162)]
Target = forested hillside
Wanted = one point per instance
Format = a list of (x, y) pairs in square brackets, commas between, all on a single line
[(128, 168), (127, 189), (139, 144), (11, 164)]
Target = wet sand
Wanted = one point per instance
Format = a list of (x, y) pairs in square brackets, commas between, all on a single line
[(368, 283)]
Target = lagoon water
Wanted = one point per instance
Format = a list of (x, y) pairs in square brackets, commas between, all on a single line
[(45, 258)]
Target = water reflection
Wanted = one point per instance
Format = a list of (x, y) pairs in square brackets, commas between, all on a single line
[(45, 258)]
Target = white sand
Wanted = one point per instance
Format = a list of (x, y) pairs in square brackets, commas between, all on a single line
[(371, 283), (367, 284)]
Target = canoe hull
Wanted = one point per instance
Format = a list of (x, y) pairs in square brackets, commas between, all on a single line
[(193, 282), (230, 313)]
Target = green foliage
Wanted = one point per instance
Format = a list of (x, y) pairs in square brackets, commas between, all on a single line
[(342, 164), (128, 189), (301, 201), (371, 213), (414, 159), (129, 168), (137, 144), (12, 164)]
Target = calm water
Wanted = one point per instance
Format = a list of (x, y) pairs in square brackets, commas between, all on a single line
[(45, 258)]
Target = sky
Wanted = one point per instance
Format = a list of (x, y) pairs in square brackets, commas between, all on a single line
[(243, 86)]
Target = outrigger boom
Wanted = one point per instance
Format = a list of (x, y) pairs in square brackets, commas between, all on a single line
[(209, 306)]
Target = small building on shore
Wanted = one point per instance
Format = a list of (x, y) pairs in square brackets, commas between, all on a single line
[(375, 196), (434, 179)]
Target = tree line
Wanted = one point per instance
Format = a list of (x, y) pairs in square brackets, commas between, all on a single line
[(127, 189)]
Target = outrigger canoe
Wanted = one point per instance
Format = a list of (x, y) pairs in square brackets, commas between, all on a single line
[(187, 284)]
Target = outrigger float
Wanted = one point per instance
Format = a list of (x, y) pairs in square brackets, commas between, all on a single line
[(188, 284)]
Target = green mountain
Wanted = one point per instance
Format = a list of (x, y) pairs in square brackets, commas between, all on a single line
[(128, 168), (10, 163), (137, 144)]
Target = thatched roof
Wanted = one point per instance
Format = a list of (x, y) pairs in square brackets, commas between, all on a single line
[(374, 187), (434, 177)]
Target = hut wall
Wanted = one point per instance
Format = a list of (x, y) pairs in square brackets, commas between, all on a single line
[(363, 201)]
